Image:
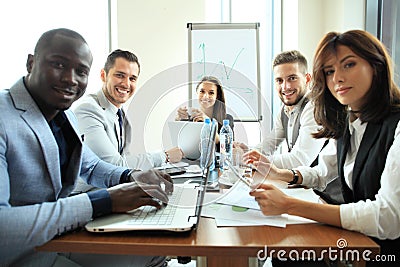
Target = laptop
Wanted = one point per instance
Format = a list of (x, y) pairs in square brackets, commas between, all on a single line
[(181, 214), (186, 136)]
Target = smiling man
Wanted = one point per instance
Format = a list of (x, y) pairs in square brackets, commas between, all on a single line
[(295, 122), (102, 116), (42, 156)]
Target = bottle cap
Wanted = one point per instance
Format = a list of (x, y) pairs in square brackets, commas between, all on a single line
[(207, 120), (226, 122)]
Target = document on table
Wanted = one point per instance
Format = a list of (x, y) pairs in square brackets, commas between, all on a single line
[(193, 170), (227, 215), (238, 195), (172, 165), (237, 208)]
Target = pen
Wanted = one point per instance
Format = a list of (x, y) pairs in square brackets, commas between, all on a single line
[(251, 166), (241, 177)]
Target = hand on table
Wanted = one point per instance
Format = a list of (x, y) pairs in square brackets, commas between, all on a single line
[(271, 200)]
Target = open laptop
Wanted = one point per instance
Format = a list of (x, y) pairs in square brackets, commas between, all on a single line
[(186, 136), (181, 214)]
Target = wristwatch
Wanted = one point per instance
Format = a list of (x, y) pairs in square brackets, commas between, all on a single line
[(295, 177)]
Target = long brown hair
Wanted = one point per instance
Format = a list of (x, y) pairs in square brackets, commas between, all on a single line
[(219, 109), (382, 98)]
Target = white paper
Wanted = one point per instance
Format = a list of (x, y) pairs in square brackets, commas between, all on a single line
[(238, 195), (242, 216), (169, 165)]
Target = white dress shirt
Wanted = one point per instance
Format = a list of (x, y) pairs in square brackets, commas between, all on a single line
[(306, 148), (378, 218)]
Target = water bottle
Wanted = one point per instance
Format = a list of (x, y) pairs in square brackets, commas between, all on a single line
[(204, 139), (212, 158), (225, 144)]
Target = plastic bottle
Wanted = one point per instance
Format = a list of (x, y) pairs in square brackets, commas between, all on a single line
[(212, 165), (204, 139), (225, 144)]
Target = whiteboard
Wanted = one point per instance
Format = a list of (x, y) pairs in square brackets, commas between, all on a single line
[(230, 52)]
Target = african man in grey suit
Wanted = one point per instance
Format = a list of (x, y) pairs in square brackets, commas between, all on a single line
[(42, 155)]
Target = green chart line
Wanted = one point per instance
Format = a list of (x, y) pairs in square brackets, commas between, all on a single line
[(202, 46)]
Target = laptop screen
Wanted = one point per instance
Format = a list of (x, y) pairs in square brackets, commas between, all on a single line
[(206, 171)]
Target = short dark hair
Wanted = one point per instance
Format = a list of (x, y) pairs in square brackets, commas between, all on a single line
[(292, 56), (48, 36), (117, 54)]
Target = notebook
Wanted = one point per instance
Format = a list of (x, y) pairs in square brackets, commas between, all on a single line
[(181, 214), (186, 135)]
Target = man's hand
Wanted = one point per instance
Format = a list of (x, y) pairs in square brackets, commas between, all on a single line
[(153, 177), (129, 196), (174, 154), (146, 188)]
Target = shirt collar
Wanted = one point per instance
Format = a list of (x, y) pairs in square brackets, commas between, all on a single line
[(110, 105), (296, 107), (357, 127), (59, 119)]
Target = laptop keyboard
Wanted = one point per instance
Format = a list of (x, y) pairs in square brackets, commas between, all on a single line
[(150, 215)]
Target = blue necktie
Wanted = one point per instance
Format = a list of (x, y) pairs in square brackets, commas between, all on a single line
[(121, 123)]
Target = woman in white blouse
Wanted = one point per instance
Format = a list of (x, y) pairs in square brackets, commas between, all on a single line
[(357, 105)]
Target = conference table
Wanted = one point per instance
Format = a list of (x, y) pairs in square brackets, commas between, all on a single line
[(225, 246)]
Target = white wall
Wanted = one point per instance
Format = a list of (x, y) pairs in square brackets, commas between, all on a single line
[(22, 22), (156, 32), (304, 22)]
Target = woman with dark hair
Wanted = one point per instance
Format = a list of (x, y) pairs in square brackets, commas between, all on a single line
[(211, 99), (357, 105)]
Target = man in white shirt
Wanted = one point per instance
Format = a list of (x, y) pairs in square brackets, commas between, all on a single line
[(295, 123)]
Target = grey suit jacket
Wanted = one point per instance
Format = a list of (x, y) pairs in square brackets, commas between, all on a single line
[(97, 121), (34, 204)]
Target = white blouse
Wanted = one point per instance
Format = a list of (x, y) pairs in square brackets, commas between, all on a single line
[(378, 218)]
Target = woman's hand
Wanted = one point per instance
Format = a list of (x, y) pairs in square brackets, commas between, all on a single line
[(267, 170), (182, 114), (254, 155), (198, 115), (240, 145), (271, 200)]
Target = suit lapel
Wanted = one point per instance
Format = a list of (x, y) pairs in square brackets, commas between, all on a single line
[(111, 118), (369, 138), (343, 145), (33, 117)]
